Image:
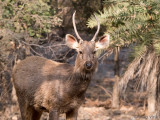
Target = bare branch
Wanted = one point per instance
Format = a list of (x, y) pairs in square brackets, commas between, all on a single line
[(106, 91), (108, 53)]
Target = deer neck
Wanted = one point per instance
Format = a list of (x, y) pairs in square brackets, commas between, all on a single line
[(78, 83)]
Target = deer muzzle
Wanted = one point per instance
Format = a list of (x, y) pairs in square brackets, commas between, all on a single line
[(88, 65)]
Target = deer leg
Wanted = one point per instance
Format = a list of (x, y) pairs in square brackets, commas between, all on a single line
[(22, 107), (32, 114), (29, 113), (22, 110), (36, 115), (72, 114), (54, 115)]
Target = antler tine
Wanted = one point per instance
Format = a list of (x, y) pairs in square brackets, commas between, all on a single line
[(98, 28), (75, 29)]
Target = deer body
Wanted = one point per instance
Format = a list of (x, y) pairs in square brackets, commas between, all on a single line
[(46, 85), (50, 85)]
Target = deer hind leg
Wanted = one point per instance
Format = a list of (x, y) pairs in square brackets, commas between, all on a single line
[(72, 114), (27, 112), (22, 106), (32, 114), (25, 109)]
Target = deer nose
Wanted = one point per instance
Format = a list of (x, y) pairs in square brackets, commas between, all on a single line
[(88, 64)]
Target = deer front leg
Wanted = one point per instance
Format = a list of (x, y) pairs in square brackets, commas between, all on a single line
[(72, 114), (54, 115)]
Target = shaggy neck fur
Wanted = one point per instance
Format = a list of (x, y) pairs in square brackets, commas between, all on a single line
[(79, 80)]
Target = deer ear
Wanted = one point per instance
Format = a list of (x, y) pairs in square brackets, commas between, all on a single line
[(71, 41), (103, 42)]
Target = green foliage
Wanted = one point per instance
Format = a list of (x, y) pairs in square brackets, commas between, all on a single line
[(34, 17), (133, 21)]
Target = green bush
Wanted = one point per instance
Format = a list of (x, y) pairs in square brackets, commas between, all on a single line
[(34, 17), (133, 21)]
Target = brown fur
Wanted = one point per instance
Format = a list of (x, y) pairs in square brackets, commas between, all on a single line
[(46, 85)]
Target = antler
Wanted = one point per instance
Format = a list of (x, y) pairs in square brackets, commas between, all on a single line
[(75, 29), (98, 28)]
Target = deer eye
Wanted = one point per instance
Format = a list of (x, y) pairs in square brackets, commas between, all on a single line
[(80, 52), (94, 52)]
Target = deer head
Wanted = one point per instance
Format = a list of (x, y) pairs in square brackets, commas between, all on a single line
[(86, 59)]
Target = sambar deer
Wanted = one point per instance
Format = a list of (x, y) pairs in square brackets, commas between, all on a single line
[(45, 85)]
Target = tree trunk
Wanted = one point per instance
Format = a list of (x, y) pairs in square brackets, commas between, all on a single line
[(152, 87), (152, 100), (115, 96), (146, 69)]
